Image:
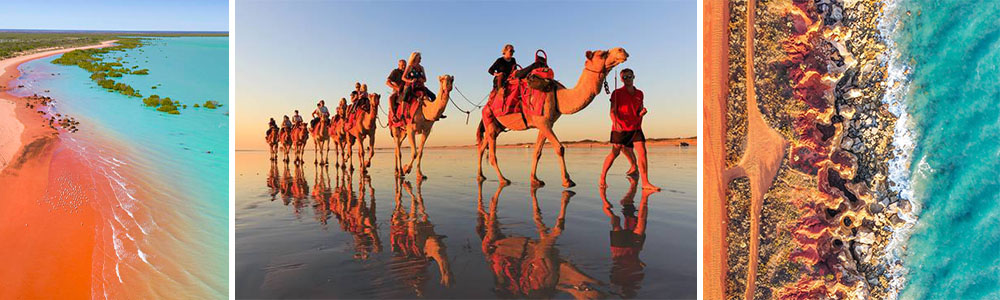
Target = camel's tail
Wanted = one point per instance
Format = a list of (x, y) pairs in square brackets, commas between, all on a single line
[(480, 132)]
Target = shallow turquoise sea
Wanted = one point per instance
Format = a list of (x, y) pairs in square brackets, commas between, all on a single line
[(953, 99), (171, 171)]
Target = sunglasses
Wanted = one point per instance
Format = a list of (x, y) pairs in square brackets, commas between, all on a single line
[(628, 76)]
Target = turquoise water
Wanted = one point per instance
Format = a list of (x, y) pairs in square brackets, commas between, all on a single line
[(169, 225), (953, 51)]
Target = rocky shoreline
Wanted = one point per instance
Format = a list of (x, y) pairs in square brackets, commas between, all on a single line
[(829, 217)]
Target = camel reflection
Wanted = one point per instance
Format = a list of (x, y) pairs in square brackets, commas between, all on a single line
[(274, 180), (321, 192), (531, 268), (356, 215), (627, 239), (294, 188), (414, 241)]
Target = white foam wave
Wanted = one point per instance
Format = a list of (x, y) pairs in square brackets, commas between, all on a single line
[(897, 87)]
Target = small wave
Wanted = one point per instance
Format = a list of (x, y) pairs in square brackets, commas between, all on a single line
[(897, 87)]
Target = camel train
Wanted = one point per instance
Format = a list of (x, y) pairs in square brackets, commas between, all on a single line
[(350, 126)]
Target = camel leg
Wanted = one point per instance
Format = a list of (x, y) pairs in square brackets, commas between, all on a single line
[(539, 143), (395, 158), (316, 149), (420, 156), (493, 160), (371, 149), (481, 148), (413, 151), (361, 152), (560, 151)]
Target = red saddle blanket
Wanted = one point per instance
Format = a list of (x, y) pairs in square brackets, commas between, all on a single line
[(519, 98), (406, 110)]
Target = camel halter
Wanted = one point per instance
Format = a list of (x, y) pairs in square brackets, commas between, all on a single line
[(605, 74)]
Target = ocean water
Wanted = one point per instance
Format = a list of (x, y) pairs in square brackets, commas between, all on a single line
[(166, 233), (951, 50), (312, 232)]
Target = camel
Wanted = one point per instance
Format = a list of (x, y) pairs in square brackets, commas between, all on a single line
[(321, 137), (271, 137), (338, 137), (532, 267), (285, 137), (364, 126), (423, 121), (300, 135), (562, 101)]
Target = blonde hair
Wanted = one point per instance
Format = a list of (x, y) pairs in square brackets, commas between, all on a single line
[(364, 87), (409, 64)]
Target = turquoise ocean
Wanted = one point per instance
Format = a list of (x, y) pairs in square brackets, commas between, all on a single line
[(168, 226), (949, 61)]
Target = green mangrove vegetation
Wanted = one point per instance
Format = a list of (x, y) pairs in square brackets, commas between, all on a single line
[(104, 72)]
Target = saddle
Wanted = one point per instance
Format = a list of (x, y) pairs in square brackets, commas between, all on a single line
[(522, 96), (406, 108)]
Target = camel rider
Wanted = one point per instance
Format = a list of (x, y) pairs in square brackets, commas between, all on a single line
[(414, 78), (503, 66), (395, 82), (360, 99), (271, 126), (286, 123), (320, 112), (342, 107), (297, 119)]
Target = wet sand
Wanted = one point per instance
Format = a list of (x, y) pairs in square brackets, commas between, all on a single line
[(46, 220)]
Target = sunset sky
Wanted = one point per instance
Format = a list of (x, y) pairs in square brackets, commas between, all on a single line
[(290, 54)]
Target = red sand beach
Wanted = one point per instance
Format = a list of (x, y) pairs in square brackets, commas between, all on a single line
[(47, 220)]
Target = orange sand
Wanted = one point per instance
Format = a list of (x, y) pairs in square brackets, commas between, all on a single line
[(715, 93), (47, 222)]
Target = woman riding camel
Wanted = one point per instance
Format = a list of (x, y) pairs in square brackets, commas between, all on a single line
[(503, 66), (286, 123), (414, 77)]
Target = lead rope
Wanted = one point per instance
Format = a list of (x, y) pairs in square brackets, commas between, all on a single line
[(380, 121)]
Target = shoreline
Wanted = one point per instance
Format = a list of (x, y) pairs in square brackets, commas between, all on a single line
[(46, 214), (835, 213), (11, 129)]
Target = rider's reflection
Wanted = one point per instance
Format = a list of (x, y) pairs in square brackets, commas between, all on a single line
[(414, 240), (628, 234), (532, 268)]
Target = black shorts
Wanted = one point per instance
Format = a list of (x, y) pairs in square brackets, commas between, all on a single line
[(626, 138)]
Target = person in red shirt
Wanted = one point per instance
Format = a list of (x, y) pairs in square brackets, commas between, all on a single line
[(626, 131)]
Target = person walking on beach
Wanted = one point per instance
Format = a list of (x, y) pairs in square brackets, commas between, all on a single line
[(395, 82), (626, 131)]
